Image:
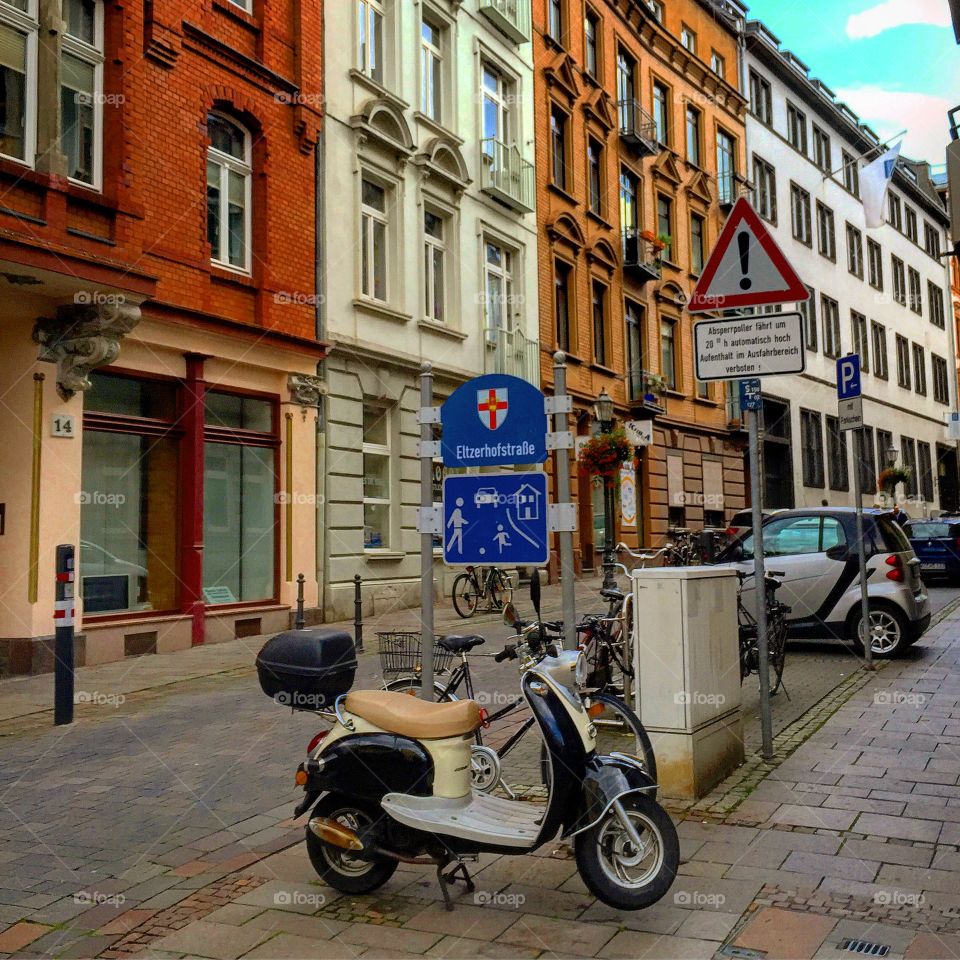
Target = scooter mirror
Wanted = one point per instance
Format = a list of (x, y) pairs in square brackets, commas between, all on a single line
[(535, 591), (510, 617)]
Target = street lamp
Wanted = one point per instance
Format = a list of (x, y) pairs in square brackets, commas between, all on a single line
[(603, 412)]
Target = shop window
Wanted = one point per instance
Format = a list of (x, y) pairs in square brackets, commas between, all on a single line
[(376, 478)]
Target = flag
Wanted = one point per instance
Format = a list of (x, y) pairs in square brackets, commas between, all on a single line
[(874, 180)]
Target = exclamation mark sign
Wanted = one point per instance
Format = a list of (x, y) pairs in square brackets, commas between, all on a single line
[(743, 240)]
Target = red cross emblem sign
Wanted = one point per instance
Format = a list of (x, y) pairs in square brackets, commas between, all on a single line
[(492, 407)]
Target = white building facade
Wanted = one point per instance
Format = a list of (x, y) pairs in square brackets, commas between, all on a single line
[(882, 293), (428, 245)]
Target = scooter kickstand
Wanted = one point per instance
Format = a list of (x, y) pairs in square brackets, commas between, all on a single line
[(447, 880)]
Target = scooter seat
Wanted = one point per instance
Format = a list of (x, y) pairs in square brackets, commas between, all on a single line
[(456, 643), (413, 717)]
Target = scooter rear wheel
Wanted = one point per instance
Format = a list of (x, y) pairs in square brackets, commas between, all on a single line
[(339, 868)]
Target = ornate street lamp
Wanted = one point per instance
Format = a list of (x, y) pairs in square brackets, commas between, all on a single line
[(603, 413)]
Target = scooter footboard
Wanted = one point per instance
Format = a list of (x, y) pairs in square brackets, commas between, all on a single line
[(607, 779)]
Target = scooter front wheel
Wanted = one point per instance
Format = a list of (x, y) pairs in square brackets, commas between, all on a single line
[(629, 868), (342, 870)]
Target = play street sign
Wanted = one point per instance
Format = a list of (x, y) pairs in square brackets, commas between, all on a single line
[(746, 268), (848, 376), (498, 518), (492, 420), (758, 346), (850, 413)]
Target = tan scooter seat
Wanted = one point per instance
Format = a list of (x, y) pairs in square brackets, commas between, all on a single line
[(412, 717)]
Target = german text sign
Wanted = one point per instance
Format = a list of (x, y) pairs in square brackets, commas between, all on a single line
[(758, 346)]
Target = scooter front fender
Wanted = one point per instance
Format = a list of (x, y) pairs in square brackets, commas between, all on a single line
[(607, 779)]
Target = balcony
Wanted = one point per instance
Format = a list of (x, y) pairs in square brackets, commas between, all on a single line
[(506, 176), (637, 128), (641, 262), (644, 391), (509, 351), (510, 17)]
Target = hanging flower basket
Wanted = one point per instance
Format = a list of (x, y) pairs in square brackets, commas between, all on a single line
[(603, 453), (889, 478)]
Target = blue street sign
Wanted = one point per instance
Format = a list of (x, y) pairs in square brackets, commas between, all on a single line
[(492, 420), (848, 377), (751, 397), (498, 518)]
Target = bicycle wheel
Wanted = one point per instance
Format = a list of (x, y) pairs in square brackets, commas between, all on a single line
[(465, 595), (619, 730), (777, 647), (413, 686), (497, 590)]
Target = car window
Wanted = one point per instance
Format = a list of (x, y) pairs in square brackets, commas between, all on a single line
[(786, 537), (832, 534), (892, 535), (925, 530)]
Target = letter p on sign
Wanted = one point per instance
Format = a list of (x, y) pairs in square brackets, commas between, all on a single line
[(848, 377)]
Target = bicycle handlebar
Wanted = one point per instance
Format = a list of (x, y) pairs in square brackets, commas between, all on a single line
[(509, 652)]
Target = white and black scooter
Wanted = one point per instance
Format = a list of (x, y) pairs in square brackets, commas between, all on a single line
[(390, 782)]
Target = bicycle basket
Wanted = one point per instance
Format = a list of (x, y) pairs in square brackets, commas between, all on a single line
[(400, 653)]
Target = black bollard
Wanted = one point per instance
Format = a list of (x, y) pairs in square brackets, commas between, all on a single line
[(63, 630), (357, 614), (299, 623)]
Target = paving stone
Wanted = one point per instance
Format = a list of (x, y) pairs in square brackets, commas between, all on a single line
[(461, 948), (396, 938), (629, 944), (867, 805), (474, 922), (662, 918), (523, 898), (218, 940), (278, 921), (904, 827), (708, 926), (790, 841), (128, 921), (909, 856), (933, 946), (943, 881), (785, 934), (823, 865), (796, 815), (286, 946), (567, 937), (15, 938), (542, 872)]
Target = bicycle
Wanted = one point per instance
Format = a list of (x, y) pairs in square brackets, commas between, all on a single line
[(472, 586), (776, 631)]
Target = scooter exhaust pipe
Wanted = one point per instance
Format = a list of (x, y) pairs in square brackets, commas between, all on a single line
[(335, 833)]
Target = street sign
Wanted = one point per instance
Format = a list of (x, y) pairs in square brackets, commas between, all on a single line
[(757, 346), (850, 413), (953, 425), (492, 420), (751, 397), (498, 518), (848, 376), (639, 432), (746, 267)]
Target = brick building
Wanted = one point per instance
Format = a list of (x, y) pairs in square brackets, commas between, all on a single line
[(640, 153), (158, 319)]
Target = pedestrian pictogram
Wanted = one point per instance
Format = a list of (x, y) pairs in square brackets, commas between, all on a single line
[(746, 268)]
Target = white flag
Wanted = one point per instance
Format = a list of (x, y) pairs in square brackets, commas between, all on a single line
[(874, 180)]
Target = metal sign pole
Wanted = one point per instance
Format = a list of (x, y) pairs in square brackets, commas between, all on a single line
[(766, 721), (63, 668), (567, 584), (426, 538), (865, 637)]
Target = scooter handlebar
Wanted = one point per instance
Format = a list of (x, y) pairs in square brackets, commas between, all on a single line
[(509, 652)]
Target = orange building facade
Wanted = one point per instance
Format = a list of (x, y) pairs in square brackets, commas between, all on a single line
[(640, 154)]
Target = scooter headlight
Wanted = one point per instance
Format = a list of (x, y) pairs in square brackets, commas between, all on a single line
[(580, 670)]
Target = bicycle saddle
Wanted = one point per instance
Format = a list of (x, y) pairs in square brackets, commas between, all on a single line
[(611, 593), (454, 643)]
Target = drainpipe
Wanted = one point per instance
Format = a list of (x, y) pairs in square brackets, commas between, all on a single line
[(320, 321)]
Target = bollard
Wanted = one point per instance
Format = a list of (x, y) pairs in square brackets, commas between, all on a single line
[(357, 614), (63, 614), (299, 622)]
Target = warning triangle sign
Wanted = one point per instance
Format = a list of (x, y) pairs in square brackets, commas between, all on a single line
[(746, 268)]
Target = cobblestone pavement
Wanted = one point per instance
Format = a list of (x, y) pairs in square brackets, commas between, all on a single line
[(158, 828)]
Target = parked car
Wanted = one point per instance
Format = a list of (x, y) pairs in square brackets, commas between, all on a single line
[(815, 549), (742, 521), (937, 546)]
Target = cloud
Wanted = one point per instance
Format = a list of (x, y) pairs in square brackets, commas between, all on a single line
[(922, 115), (897, 13)]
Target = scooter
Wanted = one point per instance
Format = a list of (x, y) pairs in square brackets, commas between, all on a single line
[(390, 784)]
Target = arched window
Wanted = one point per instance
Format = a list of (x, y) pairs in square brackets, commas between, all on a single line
[(81, 90), (228, 193)]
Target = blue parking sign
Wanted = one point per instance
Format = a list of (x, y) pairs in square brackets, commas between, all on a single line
[(848, 377)]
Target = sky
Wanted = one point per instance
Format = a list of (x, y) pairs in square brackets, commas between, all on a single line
[(895, 63)]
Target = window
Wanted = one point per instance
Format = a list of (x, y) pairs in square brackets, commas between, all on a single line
[(718, 65), (808, 308), (908, 455), (558, 146), (555, 20), (800, 214), (903, 362), (765, 189), (875, 264), (661, 112), (726, 168), (935, 296), (373, 240), (81, 86), (688, 39), (896, 212), (863, 452), (636, 354), (830, 314), (693, 135), (496, 107), (599, 311), (826, 235), (919, 370), (656, 8), (228, 193), (702, 388), (498, 285), (243, 4), (837, 467), (941, 388), (668, 353), (854, 251), (370, 39), (884, 445), (591, 43), (858, 329), (595, 175), (821, 150), (761, 100), (629, 212), (878, 334), (915, 300), (911, 223), (18, 75), (626, 71), (925, 470), (665, 223), (431, 70), (851, 174), (434, 253), (811, 444), (797, 128), (561, 303), (931, 240), (795, 536), (697, 229), (377, 479), (899, 281)]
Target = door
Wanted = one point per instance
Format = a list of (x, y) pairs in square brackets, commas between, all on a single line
[(777, 462), (947, 479)]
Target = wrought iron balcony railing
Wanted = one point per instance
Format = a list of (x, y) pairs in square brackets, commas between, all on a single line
[(641, 261), (506, 175), (511, 17), (646, 388), (637, 127), (511, 352)]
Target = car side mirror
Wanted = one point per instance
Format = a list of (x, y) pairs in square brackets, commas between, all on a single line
[(839, 551)]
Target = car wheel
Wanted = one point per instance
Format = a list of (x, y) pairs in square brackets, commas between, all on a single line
[(889, 630)]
